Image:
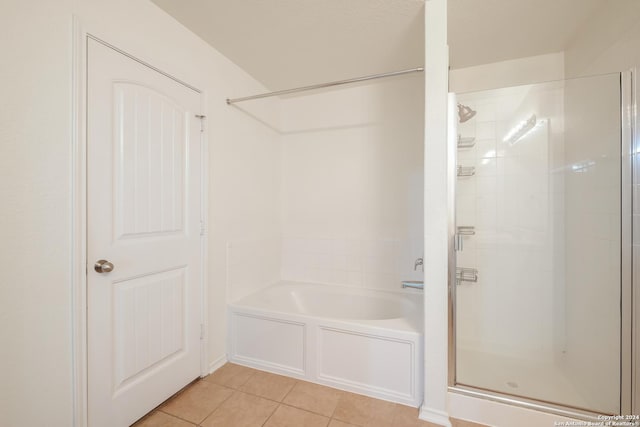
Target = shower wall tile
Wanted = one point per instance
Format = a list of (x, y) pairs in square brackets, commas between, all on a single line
[(467, 155), (486, 130), (485, 149), (468, 128), (486, 167), (509, 200), (375, 264), (466, 209), (466, 187), (486, 184), (252, 265), (353, 185), (485, 112)]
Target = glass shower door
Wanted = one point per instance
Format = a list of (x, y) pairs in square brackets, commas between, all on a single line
[(538, 221)]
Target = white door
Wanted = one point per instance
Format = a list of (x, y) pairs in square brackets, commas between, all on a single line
[(144, 216)]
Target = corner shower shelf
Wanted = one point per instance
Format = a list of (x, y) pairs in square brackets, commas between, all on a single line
[(464, 274), (466, 170), (466, 230), (466, 142)]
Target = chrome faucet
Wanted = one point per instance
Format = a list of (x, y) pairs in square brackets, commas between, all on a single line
[(415, 284)]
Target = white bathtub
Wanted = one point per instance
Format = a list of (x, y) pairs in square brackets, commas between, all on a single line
[(360, 340)]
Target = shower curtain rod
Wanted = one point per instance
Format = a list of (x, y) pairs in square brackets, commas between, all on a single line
[(323, 85)]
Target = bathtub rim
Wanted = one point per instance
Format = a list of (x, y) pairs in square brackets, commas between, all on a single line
[(408, 324)]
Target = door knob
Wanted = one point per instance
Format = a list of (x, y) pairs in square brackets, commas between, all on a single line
[(103, 266)]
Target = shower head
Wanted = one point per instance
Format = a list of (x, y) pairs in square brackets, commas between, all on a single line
[(465, 113)]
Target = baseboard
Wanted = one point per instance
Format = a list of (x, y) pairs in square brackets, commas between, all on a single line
[(490, 413), (217, 364), (435, 416)]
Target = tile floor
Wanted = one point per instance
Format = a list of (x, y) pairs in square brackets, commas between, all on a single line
[(237, 396)]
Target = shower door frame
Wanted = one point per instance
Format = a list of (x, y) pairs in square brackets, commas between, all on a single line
[(630, 285)]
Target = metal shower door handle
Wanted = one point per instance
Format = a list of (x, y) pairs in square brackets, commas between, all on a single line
[(103, 266)]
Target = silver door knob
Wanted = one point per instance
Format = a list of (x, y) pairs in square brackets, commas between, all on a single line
[(103, 266)]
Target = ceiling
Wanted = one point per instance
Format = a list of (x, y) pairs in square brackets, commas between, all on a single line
[(485, 31), (290, 43)]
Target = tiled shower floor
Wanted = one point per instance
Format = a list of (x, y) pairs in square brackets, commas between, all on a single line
[(236, 396)]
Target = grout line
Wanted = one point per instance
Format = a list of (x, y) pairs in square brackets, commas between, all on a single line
[(248, 379), (261, 397), (270, 415), (189, 387), (305, 410), (295, 383), (342, 395), (279, 403), (220, 405), (175, 416)]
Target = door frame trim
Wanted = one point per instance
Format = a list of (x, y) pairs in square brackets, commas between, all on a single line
[(79, 223), (78, 220)]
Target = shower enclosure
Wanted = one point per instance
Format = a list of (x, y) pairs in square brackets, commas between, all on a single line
[(541, 256)]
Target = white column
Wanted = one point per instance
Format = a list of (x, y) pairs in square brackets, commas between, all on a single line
[(434, 407)]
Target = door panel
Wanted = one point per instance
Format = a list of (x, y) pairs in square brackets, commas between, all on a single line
[(144, 214), (539, 274), (149, 163), (150, 306)]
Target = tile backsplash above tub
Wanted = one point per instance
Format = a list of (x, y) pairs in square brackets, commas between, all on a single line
[(252, 264), (380, 264)]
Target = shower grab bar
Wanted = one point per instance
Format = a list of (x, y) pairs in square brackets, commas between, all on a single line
[(466, 170), (461, 231), (464, 274), (466, 142)]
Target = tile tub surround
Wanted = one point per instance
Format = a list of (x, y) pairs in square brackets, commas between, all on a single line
[(237, 396)]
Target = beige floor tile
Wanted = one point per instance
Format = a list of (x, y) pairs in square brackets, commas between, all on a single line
[(241, 410), (314, 398), (160, 419), (364, 411), (270, 386), (197, 402), (287, 416), (463, 423), (336, 423), (231, 375)]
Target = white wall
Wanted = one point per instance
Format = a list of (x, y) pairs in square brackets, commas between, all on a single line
[(514, 72), (244, 200), (35, 313), (607, 42), (352, 184), (35, 283)]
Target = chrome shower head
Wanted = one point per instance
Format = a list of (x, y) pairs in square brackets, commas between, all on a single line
[(465, 113)]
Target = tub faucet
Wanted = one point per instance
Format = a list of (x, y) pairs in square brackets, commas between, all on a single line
[(419, 263), (414, 284)]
